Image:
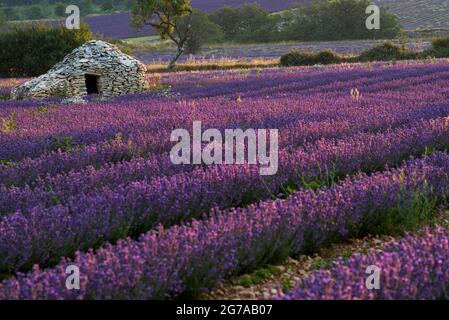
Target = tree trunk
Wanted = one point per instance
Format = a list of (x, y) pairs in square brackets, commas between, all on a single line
[(175, 58)]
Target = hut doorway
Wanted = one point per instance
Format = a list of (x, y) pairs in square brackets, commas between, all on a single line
[(92, 83)]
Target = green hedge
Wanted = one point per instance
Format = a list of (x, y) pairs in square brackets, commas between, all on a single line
[(382, 52), (440, 43), (32, 49), (387, 51), (299, 58)]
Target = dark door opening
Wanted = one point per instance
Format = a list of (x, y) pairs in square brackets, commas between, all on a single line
[(92, 83)]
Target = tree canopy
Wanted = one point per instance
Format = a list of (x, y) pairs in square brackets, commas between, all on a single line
[(163, 16)]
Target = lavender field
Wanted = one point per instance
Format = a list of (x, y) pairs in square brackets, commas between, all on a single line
[(248, 52), (362, 151), (118, 25)]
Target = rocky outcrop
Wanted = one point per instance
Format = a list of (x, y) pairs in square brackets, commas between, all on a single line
[(95, 67)]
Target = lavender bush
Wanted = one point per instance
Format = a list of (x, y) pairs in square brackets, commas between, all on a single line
[(413, 268), (188, 259), (84, 214)]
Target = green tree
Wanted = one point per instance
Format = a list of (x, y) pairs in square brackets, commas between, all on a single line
[(247, 23), (60, 9), (339, 20), (202, 31), (34, 12), (86, 7), (163, 15), (2, 18), (255, 24), (107, 5), (10, 13), (229, 21), (31, 49)]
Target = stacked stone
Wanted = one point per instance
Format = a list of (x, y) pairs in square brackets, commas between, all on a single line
[(118, 74)]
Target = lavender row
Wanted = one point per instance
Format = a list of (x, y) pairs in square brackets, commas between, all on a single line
[(293, 134), (87, 220), (278, 82), (185, 260), (29, 170), (134, 115), (414, 268)]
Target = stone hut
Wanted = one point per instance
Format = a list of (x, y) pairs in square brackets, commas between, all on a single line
[(96, 67)]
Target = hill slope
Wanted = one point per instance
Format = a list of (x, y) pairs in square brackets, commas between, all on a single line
[(415, 14), (412, 14)]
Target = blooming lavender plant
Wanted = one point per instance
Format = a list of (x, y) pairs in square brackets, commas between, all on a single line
[(190, 258), (412, 268), (270, 101), (80, 218)]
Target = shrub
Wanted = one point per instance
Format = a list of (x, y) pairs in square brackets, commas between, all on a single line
[(386, 51), (299, 58), (202, 31), (432, 53), (440, 43), (247, 23), (296, 58), (31, 49), (327, 57)]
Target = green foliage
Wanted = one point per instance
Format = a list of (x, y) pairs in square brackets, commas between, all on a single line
[(247, 23), (163, 16), (2, 17), (166, 12), (86, 7), (322, 264), (228, 19), (286, 286), (59, 10), (411, 212), (432, 53), (5, 163), (385, 51), (327, 57), (338, 20), (258, 276), (107, 6), (299, 58), (35, 12), (51, 9), (382, 52), (10, 13), (440, 43), (202, 31), (65, 144), (32, 49)]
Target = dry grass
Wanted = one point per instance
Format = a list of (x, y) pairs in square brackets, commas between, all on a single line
[(193, 64)]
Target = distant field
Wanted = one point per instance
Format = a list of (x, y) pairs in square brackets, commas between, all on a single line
[(158, 54), (415, 14), (270, 5), (117, 25), (412, 14)]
